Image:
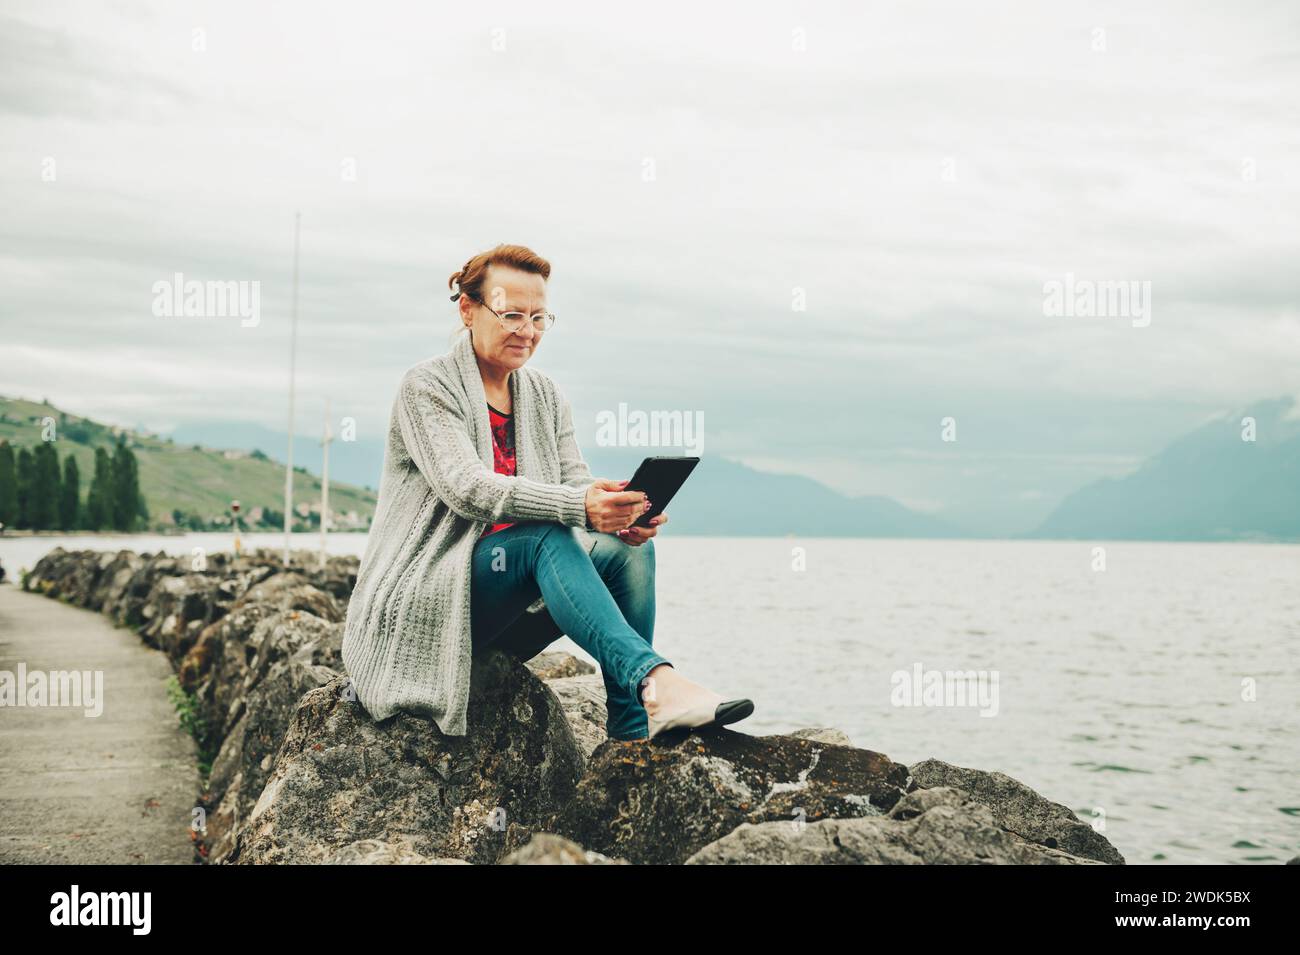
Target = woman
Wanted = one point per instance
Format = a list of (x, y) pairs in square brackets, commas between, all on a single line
[(491, 533)]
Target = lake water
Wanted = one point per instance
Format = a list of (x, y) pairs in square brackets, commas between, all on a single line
[(1159, 697)]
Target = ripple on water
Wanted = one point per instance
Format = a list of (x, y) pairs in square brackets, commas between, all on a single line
[(1113, 768)]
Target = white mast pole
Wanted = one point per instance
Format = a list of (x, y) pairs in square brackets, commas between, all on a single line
[(293, 348), (325, 487)]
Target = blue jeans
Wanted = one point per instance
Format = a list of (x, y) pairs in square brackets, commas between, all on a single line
[(604, 601)]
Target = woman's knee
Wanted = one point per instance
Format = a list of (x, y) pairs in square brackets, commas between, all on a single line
[(560, 536), (639, 563), (563, 531)]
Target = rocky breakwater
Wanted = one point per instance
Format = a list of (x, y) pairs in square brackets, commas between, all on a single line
[(300, 773)]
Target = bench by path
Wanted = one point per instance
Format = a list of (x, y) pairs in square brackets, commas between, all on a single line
[(116, 788)]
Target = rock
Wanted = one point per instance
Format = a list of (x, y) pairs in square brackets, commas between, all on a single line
[(200, 663), (292, 591), (122, 584), (132, 605), (340, 777), (929, 826), (556, 665), (583, 700), (114, 572), (657, 803), (823, 734), (232, 656), (174, 604), (247, 756), (1019, 809), (60, 576), (378, 852), (548, 849), (84, 578)]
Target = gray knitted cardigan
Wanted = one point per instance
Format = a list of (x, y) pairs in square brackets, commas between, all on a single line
[(406, 642)]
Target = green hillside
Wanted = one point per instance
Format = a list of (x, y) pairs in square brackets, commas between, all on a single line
[(195, 480)]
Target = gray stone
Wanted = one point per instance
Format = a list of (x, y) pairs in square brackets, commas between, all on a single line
[(658, 803), (1019, 809), (378, 852), (927, 827), (293, 591), (583, 700), (823, 734), (556, 664), (176, 602), (233, 655), (247, 757), (340, 777), (547, 849)]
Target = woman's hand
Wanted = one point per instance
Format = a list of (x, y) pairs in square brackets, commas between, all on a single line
[(610, 508), (636, 536)]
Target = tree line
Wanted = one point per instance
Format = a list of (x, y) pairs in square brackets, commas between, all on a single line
[(36, 493)]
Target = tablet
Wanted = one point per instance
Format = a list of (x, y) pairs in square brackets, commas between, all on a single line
[(660, 478)]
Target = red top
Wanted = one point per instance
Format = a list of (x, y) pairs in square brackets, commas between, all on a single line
[(503, 452)]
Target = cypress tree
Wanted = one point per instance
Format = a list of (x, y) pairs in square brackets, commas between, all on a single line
[(141, 506), (46, 488), (127, 503), (25, 475), (99, 510), (119, 510), (70, 499), (8, 486)]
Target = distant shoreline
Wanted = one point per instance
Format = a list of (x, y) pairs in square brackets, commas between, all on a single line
[(1278, 541)]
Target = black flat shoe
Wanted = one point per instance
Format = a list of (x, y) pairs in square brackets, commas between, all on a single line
[(733, 711), (680, 724)]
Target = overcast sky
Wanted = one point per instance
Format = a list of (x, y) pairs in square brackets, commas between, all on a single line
[(919, 170)]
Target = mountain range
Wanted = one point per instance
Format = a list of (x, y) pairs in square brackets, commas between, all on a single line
[(1208, 484), (722, 497), (1234, 478)]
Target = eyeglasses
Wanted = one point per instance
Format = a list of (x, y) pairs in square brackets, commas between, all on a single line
[(513, 321)]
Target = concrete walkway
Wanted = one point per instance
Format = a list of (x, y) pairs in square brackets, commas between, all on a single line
[(115, 788)]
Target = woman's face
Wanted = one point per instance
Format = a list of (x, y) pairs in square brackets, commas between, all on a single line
[(506, 290)]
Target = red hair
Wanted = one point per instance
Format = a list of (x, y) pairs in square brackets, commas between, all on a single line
[(469, 280)]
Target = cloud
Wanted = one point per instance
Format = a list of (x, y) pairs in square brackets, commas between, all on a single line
[(916, 175)]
